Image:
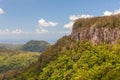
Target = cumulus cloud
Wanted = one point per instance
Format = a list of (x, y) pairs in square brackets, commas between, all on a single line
[(19, 31), (108, 13), (16, 31), (41, 30), (69, 25), (116, 12), (44, 23), (73, 18), (4, 31), (1, 11)]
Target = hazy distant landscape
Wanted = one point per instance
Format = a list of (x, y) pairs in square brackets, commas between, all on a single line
[(32, 46), (17, 56)]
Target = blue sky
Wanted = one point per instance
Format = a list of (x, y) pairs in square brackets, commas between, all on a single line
[(23, 20)]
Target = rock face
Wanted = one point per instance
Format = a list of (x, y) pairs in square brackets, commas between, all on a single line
[(95, 33)]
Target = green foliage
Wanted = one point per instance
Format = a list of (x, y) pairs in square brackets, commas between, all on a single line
[(35, 46), (88, 62), (11, 60), (73, 60)]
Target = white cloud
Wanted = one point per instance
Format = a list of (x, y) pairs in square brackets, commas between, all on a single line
[(16, 31), (1, 11), (116, 12), (69, 25), (43, 23), (19, 31), (41, 30), (75, 17), (108, 13), (5, 31)]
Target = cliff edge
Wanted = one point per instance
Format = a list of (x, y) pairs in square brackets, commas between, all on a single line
[(105, 29)]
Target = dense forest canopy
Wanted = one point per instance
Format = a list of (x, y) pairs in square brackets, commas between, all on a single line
[(74, 60), (12, 60)]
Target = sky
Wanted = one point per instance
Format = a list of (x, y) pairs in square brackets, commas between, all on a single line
[(49, 20)]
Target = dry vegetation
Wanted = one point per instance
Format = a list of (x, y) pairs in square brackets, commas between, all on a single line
[(105, 21)]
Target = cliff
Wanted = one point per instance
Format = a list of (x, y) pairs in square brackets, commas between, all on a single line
[(97, 30)]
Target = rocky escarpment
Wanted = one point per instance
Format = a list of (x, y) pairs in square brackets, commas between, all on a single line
[(97, 30)]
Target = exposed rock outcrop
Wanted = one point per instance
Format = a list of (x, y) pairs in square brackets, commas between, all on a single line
[(97, 30)]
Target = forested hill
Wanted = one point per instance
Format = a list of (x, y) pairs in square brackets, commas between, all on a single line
[(74, 58), (35, 46)]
